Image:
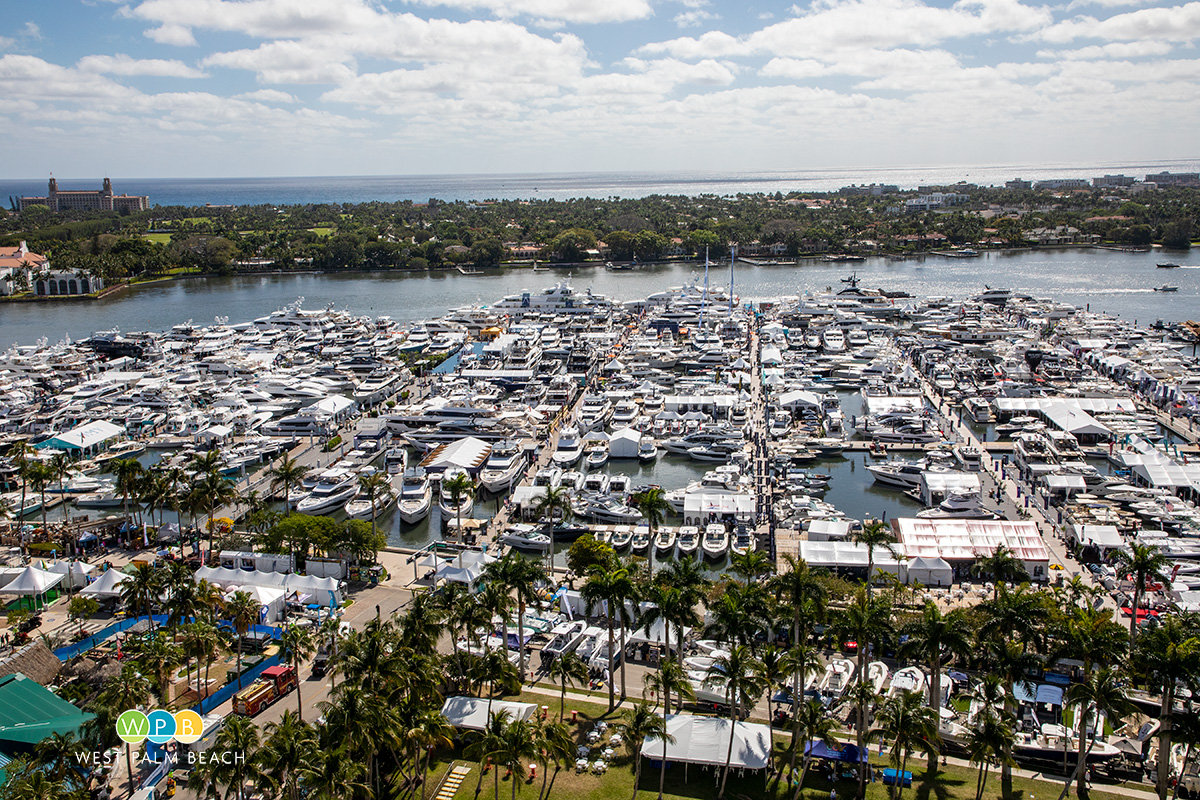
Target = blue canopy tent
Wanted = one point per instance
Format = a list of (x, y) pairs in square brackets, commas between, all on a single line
[(839, 752)]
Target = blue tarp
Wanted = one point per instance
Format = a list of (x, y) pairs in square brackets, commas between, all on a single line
[(67, 652), (1025, 692), (230, 689), (840, 752), (1050, 694)]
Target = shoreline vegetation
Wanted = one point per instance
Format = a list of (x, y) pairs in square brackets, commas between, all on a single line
[(959, 221)]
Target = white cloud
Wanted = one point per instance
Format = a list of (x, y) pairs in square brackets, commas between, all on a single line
[(578, 11), (31, 31), (6, 42), (692, 19), (267, 96), (122, 64), (1105, 51), (1173, 24), (169, 33)]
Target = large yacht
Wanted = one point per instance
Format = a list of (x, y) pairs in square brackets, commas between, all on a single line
[(503, 467), (558, 299), (416, 495)]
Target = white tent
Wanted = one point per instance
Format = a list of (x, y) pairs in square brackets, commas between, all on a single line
[(471, 713), (705, 740), (107, 585), (624, 443), (269, 599), (33, 581), (321, 589), (931, 571), (75, 572)]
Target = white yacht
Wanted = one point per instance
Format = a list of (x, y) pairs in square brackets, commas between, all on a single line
[(839, 673), (416, 495), (503, 467), (564, 638), (716, 541), (334, 487), (688, 541), (550, 477), (596, 455), (664, 540), (909, 679), (569, 449), (960, 505), (362, 508), (446, 502), (647, 449), (525, 537), (596, 482)]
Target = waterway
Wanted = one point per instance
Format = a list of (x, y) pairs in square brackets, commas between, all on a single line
[(1110, 281)]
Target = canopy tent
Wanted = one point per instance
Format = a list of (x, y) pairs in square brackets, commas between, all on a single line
[(33, 581), (825, 530), (467, 567), (1104, 537), (471, 713), (1065, 484), (964, 540), (706, 740), (840, 751), (86, 439), (326, 590), (851, 555), (75, 572), (270, 600), (467, 453), (931, 571), (107, 585)]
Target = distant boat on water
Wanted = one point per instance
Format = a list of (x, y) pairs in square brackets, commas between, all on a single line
[(1166, 287), (1168, 265)]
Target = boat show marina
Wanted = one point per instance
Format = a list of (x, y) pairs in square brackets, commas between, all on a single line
[(763, 417)]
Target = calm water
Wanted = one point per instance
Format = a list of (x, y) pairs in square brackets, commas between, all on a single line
[(1115, 282), (565, 185)]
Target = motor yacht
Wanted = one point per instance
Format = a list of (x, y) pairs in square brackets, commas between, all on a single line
[(569, 449), (596, 455), (839, 673), (446, 504), (526, 537), (550, 477), (416, 495), (564, 638), (362, 508), (716, 541), (960, 505), (688, 541), (908, 679), (664, 541), (334, 487), (596, 482), (503, 467), (395, 460)]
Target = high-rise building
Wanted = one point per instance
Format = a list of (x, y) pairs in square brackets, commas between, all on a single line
[(103, 200)]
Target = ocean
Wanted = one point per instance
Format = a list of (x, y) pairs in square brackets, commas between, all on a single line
[(562, 186)]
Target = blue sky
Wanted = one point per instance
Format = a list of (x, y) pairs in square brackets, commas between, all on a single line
[(198, 88)]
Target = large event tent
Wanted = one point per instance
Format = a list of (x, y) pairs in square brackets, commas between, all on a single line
[(322, 590), (705, 740), (33, 582), (471, 713), (107, 585)]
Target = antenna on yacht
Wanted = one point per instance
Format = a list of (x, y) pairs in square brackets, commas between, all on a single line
[(732, 261)]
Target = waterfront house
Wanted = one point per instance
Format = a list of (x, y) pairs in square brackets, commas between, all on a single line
[(17, 264)]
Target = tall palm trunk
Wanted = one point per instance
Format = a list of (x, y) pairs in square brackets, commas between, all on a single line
[(935, 700), (612, 694), (733, 715), (624, 691), (1006, 766), (520, 637), (662, 771), (796, 695), (860, 728), (1165, 716)]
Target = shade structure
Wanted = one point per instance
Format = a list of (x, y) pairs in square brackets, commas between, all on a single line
[(467, 453), (33, 581), (931, 571), (327, 591), (75, 572), (107, 585), (471, 713), (838, 752), (705, 740)]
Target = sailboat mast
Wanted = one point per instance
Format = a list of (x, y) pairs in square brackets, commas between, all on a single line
[(704, 297)]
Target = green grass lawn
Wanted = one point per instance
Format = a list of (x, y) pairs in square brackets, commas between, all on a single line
[(157, 238), (323, 231), (948, 783)]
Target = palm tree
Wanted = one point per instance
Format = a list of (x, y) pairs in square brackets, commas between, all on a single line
[(1011, 662), (335, 776), (773, 668), (60, 470), (238, 735), (558, 746), (567, 668), (127, 691), (215, 491), (611, 587), (669, 681), (459, 487), (485, 748), (519, 576), (39, 476), (427, 731), (641, 723), (159, 655), (1002, 566), (22, 455), (287, 472), (989, 741), (556, 502), (517, 744), (142, 589), (751, 565), (865, 620), (1100, 692), (874, 534), (127, 472), (655, 508), (1146, 562), (907, 723), (802, 660), (372, 486), (738, 673), (243, 612), (1166, 653), (56, 756), (297, 644), (811, 720), (938, 639), (676, 606), (290, 747)]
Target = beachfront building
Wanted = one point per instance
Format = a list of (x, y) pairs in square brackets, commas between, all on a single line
[(17, 264), (52, 283), (103, 200)]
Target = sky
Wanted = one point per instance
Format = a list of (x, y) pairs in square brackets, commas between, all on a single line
[(223, 88)]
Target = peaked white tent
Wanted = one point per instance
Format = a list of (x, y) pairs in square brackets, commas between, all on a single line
[(107, 585), (471, 713), (75, 572), (624, 443), (705, 740), (32, 582), (930, 571)]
